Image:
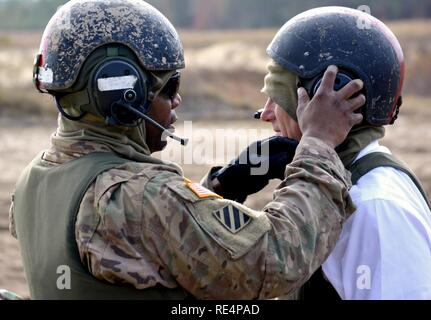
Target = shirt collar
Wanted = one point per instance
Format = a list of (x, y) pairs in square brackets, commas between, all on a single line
[(371, 148)]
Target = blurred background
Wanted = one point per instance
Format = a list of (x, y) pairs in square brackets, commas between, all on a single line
[(225, 42)]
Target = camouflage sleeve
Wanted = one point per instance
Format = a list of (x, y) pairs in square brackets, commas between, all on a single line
[(306, 216), (12, 228), (219, 249)]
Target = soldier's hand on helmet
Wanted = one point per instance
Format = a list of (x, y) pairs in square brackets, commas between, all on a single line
[(330, 115), (259, 163)]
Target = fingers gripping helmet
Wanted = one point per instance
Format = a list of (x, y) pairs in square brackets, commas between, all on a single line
[(81, 27), (359, 44)]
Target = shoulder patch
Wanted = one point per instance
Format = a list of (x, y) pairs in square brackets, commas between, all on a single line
[(232, 218), (231, 225), (201, 191)]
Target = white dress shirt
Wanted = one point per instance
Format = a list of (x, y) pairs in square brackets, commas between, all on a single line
[(384, 251)]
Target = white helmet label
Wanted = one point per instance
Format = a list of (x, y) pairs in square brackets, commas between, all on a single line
[(116, 83)]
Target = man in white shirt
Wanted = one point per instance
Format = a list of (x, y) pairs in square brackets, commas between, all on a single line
[(384, 251)]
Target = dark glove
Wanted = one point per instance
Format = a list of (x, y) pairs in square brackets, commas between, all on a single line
[(251, 171)]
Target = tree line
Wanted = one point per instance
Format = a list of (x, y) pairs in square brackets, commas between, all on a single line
[(217, 14)]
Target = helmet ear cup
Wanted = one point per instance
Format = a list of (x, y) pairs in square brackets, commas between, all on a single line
[(313, 85), (116, 85), (342, 79)]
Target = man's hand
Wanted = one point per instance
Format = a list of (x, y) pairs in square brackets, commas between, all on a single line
[(330, 116), (236, 180)]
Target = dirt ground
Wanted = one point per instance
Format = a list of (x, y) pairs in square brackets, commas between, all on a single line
[(20, 142)]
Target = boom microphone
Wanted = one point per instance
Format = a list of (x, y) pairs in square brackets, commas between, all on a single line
[(165, 131)]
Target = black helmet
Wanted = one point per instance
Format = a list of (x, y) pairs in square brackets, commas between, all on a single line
[(82, 26), (359, 44)]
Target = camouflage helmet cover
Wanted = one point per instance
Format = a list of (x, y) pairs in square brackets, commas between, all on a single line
[(354, 41), (81, 26)]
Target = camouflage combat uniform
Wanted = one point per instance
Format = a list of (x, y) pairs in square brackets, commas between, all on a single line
[(146, 224)]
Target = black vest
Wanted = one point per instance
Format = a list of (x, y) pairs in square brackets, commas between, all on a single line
[(46, 203), (318, 288)]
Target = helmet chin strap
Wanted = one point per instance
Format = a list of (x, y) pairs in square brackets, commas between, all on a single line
[(66, 115)]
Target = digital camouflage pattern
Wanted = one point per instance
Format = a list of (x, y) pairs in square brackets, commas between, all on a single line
[(141, 224)]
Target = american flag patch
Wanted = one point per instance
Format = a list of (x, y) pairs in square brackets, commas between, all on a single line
[(201, 191), (232, 218)]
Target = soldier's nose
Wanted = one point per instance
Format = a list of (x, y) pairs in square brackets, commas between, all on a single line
[(176, 102), (268, 114)]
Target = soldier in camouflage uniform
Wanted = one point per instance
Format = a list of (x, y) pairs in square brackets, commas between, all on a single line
[(127, 225)]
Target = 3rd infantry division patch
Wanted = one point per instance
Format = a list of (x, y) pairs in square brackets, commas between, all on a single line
[(232, 218)]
